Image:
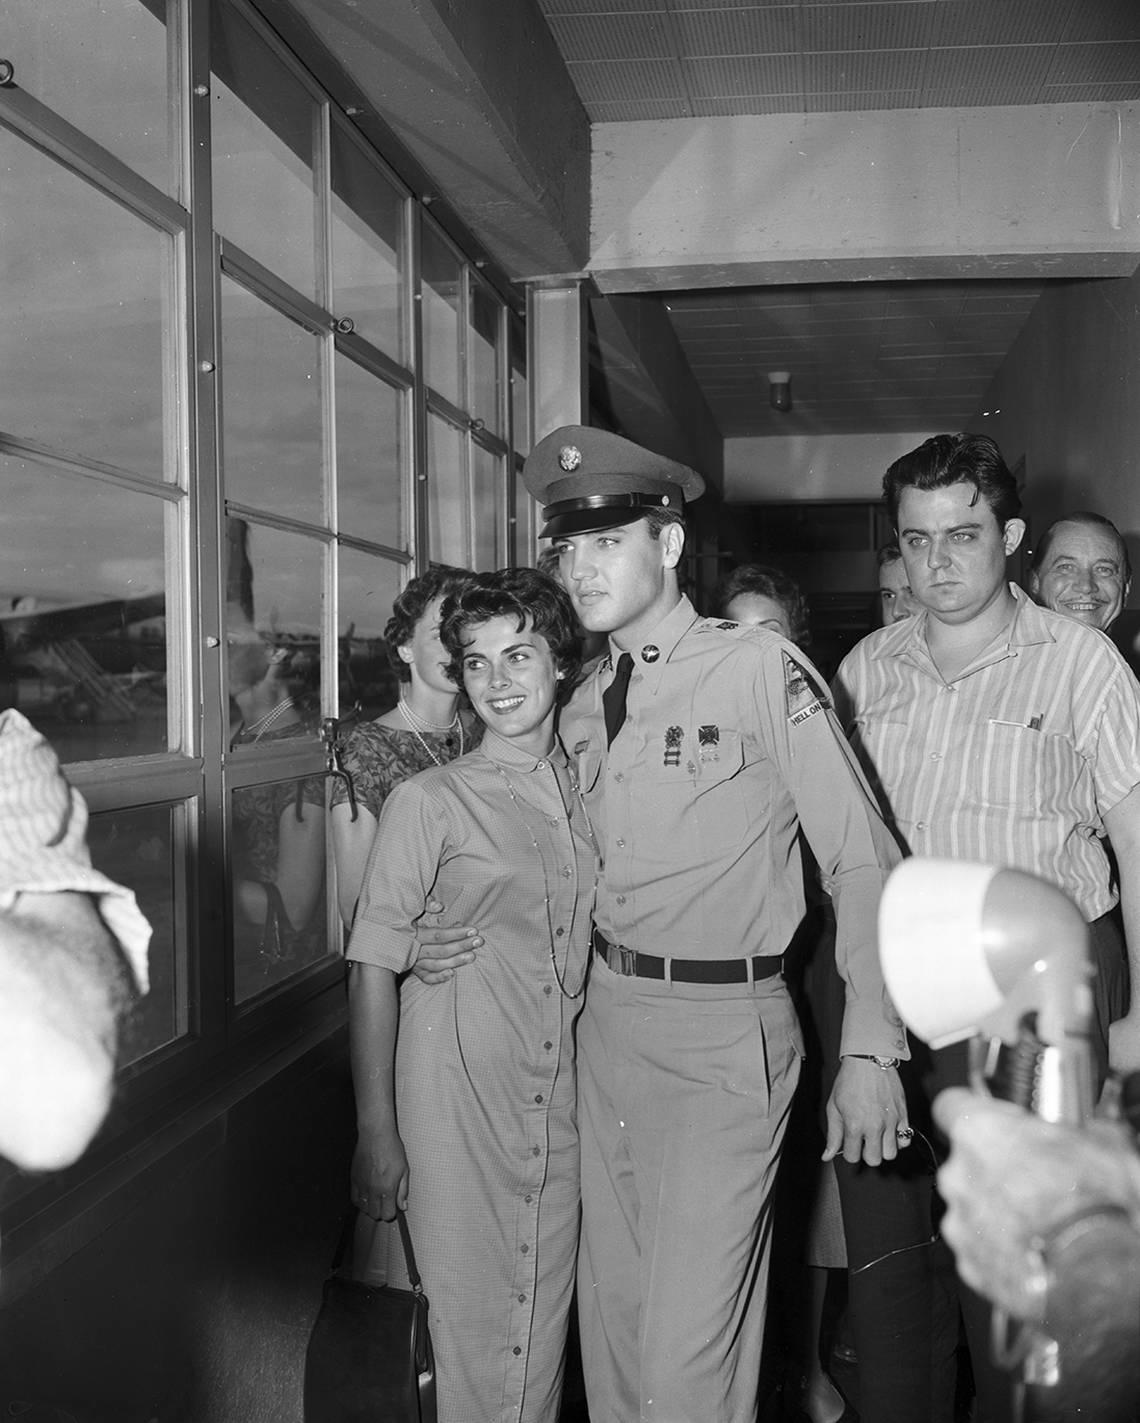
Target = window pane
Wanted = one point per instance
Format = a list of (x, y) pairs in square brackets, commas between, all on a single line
[(368, 588), (440, 280), (84, 611), (367, 248), (120, 100), (262, 133), (447, 503), (271, 406), (81, 345), (370, 456), (273, 623), (483, 336), (520, 403), (278, 858), (136, 848), (526, 521), (486, 470)]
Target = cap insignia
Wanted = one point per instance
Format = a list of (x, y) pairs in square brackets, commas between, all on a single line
[(569, 457)]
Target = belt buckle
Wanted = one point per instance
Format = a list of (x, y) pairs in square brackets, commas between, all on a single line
[(627, 961)]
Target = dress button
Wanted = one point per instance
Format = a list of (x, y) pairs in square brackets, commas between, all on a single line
[(528, 1199), (525, 1249), (522, 1299), (559, 932), (516, 1350), (618, 776), (621, 899), (536, 1151), (542, 765), (548, 990), (936, 756), (538, 1098), (621, 844), (548, 1045), (920, 825)]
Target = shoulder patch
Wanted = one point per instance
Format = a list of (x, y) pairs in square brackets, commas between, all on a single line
[(802, 698)]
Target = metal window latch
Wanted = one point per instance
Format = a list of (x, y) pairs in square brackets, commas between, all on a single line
[(334, 766)]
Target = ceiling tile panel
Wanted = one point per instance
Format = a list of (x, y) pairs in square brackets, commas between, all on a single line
[(986, 22), (707, 33), (1095, 63), (602, 7), (634, 110), (1103, 20), (868, 71), (1091, 93), (612, 37), (764, 74), (613, 83), (735, 106), (857, 101), (860, 26), (991, 75)]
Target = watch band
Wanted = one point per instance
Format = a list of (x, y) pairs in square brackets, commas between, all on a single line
[(886, 1063)]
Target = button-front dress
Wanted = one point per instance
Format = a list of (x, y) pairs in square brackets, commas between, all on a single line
[(485, 1066)]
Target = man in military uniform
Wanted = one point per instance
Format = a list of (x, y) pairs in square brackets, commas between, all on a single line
[(701, 748)]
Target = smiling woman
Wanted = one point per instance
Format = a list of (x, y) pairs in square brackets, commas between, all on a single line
[(502, 839)]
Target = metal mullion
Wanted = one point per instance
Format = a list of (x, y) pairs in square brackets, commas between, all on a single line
[(73, 465), (116, 784), (374, 361), (322, 178), (249, 272), (393, 555), (419, 492), (44, 129), (282, 522), (440, 405), (366, 149), (277, 761)]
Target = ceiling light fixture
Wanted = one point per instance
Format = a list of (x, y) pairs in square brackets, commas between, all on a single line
[(780, 390)]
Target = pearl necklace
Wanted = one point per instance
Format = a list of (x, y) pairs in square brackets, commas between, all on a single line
[(258, 728), (576, 790), (415, 724)]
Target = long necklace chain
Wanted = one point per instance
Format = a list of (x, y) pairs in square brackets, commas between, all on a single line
[(575, 790), (258, 728), (411, 719)]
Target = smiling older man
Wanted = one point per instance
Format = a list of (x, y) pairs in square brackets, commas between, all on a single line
[(1081, 569)]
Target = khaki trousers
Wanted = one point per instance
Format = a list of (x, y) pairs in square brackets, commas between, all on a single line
[(683, 1097)]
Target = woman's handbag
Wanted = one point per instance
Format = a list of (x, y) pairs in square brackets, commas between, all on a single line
[(370, 1358)]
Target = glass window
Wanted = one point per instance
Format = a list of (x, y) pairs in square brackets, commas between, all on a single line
[(277, 853), (448, 540), (370, 456), (136, 848), (487, 505), (273, 624), (441, 282), (83, 611), (263, 134), (526, 522), (271, 405), (101, 64), (369, 277), (82, 282), (520, 401), (368, 588), (483, 336)]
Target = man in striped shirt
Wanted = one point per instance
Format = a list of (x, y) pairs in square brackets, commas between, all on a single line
[(999, 731)]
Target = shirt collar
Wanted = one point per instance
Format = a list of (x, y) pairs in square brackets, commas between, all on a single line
[(1029, 627), (508, 753), (660, 644)]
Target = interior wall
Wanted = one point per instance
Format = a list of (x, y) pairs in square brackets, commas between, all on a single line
[(1067, 399), (799, 467)]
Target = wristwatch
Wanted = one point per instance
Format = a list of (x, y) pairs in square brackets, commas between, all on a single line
[(886, 1063)]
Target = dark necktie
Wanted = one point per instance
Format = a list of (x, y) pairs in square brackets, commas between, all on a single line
[(613, 698)]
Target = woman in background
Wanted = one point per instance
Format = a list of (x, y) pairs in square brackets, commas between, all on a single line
[(425, 728), (465, 1091)]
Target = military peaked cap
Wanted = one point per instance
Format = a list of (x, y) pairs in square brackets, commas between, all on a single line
[(589, 479)]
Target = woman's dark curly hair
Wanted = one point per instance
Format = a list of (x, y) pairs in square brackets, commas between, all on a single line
[(440, 581), (526, 595), (768, 583)]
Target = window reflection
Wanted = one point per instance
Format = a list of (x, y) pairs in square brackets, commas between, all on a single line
[(83, 612), (81, 361), (121, 101), (278, 857), (367, 247), (441, 282), (263, 129), (448, 540), (368, 588), (483, 337), (273, 622), (370, 456), (136, 848), (271, 408), (486, 478)]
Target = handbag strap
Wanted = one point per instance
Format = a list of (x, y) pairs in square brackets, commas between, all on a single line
[(345, 1240)]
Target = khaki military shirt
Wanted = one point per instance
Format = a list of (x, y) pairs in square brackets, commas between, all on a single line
[(729, 747)]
